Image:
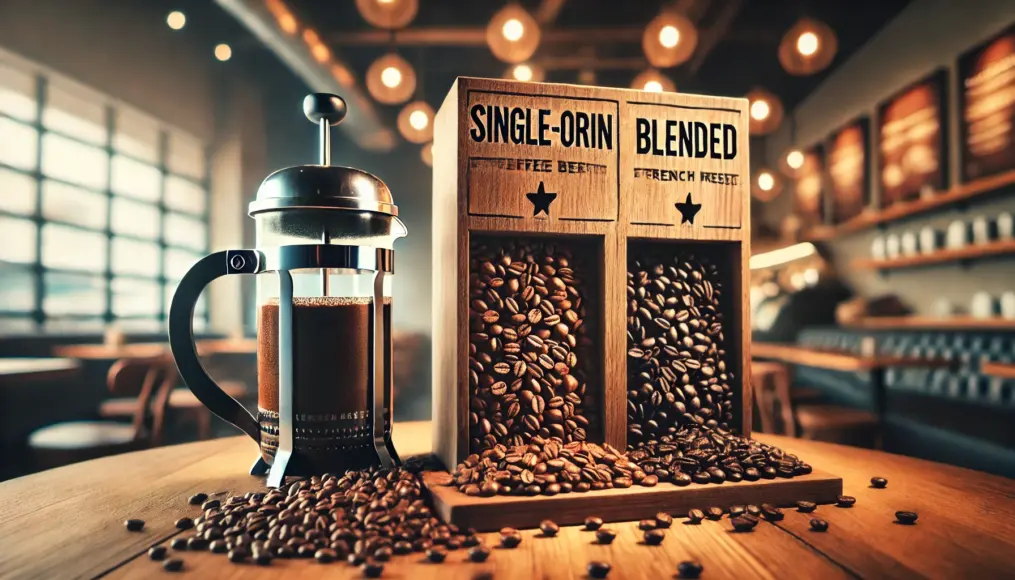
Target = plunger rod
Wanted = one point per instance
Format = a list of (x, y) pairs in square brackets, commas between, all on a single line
[(325, 142)]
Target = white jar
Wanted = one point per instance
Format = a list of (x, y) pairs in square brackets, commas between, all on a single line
[(878, 248), (982, 230), (893, 246), (957, 235), (1005, 226), (1008, 305), (930, 240), (909, 244), (983, 305)]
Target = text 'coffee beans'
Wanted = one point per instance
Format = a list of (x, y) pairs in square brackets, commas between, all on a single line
[(677, 372), (528, 343)]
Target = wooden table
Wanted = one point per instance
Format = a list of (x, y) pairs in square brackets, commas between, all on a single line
[(37, 369), (153, 349), (68, 522)]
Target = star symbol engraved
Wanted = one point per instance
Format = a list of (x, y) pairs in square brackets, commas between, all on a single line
[(541, 200), (688, 210)]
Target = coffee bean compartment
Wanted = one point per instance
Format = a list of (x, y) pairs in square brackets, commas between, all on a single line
[(533, 343), (682, 368)]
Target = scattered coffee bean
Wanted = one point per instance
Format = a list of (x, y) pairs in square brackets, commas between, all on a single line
[(356, 559), (184, 524), (262, 558), (401, 548), (754, 510), (218, 547), (198, 498), (689, 569), (172, 565), (134, 525), (325, 556), (806, 507), (714, 513), (845, 501), (471, 541), (592, 523), (819, 525), (211, 504), (157, 553), (372, 569), (479, 553), (907, 518), (654, 537), (645, 525), (743, 524), (510, 540), (197, 544), (178, 544), (737, 510), (695, 516), (436, 555), (549, 528), (598, 569), (384, 553), (238, 555), (663, 520), (879, 482), (605, 535), (771, 513)]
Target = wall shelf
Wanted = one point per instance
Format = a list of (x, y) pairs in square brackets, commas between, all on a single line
[(999, 370), (972, 252), (870, 218), (932, 323)]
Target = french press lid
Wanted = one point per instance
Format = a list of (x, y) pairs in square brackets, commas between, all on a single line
[(323, 186)]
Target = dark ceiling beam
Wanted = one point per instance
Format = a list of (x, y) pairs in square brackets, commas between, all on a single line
[(711, 37), (548, 11), (476, 36)]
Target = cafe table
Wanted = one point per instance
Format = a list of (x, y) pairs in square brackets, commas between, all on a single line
[(68, 522), (37, 369)]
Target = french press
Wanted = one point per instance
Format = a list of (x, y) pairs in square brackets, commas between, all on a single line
[(324, 239)]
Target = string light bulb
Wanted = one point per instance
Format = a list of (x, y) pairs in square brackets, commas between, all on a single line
[(176, 20), (792, 162), (669, 39), (426, 154), (767, 185), (223, 52), (513, 34), (415, 122), (388, 14), (526, 73), (765, 111), (807, 47), (653, 81), (391, 79)]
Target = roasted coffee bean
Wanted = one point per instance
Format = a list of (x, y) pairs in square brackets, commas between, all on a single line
[(211, 504), (134, 525), (907, 518), (819, 525), (479, 553), (654, 537), (436, 554), (771, 513), (645, 525), (184, 524), (178, 544), (262, 558), (598, 569), (743, 523), (689, 569), (197, 499), (325, 556), (753, 510), (695, 516), (737, 510), (663, 520), (845, 501), (549, 528), (806, 506), (197, 544), (510, 540), (238, 555), (384, 554), (605, 535), (879, 482), (157, 553), (471, 541), (372, 569), (714, 513), (172, 565), (356, 559), (593, 523), (401, 548), (218, 547), (681, 479)]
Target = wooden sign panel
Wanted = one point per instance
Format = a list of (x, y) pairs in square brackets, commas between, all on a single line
[(810, 183), (912, 130), (849, 176), (987, 107)]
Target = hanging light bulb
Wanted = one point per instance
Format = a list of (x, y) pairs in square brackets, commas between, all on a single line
[(415, 122), (669, 39), (526, 73), (767, 185), (389, 14), (285, 19), (807, 47), (426, 154), (765, 110), (513, 34), (792, 162), (391, 79), (654, 82)]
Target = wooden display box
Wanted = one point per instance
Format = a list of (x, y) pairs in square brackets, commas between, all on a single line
[(627, 168)]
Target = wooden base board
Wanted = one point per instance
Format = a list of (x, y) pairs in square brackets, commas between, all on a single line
[(613, 505)]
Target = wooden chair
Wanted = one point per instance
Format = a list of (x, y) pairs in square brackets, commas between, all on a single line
[(182, 402), (151, 379), (770, 385)]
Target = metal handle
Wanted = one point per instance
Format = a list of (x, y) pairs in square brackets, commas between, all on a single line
[(181, 334)]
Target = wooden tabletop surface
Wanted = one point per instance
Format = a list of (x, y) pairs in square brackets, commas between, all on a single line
[(153, 349), (37, 369), (839, 361), (68, 523)]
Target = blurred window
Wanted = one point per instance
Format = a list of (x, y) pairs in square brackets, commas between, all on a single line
[(102, 207)]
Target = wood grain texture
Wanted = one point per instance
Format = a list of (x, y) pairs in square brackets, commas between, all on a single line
[(493, 513), (840, 361), (67, 523), (620, 196)]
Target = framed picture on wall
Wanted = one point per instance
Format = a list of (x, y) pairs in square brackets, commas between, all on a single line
[(849, 170), (808, 200), (987, 107), (912, 140)]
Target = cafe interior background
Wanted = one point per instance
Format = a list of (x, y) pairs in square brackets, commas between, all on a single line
[(134, 134)]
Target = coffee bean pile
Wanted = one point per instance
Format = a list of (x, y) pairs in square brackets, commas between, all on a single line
[(701, 455), (547, 467), (677, 373), (527, 343)]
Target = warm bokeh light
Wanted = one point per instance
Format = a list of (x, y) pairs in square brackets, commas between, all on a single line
[(176, 20), (522, 72), (760, 110), (391, 77), (388, 14), (426, 154), (795, 159), (320, 53), (766, 181), (419, 120), (807, 43), (223, 52), (669, 36), (653, 86), (513, 29), (653, 81), (415, 122), (287, 23)]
